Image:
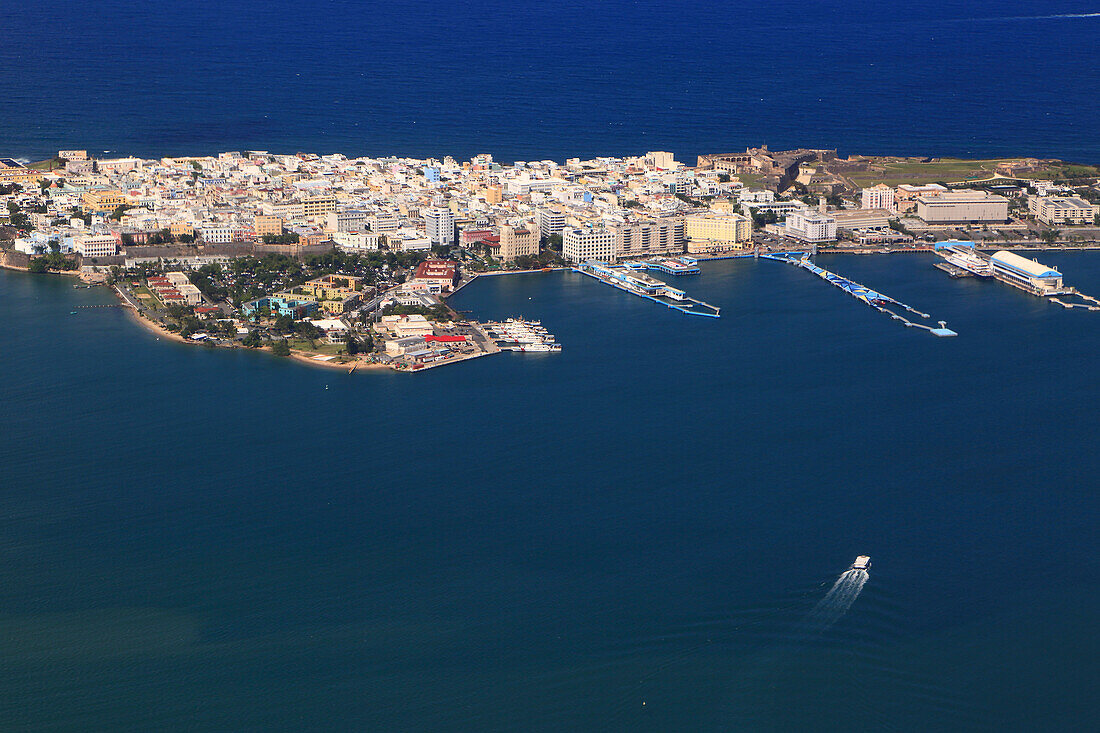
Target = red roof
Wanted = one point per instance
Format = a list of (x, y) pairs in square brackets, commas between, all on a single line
[(436, 270), (446, 339)]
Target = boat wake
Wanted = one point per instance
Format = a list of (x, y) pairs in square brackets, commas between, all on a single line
[(837, 601)]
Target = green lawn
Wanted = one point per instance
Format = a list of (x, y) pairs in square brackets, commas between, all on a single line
[(318, 348), (46, 165)]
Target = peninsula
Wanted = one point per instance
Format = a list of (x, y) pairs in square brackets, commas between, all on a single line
[(347, 262)]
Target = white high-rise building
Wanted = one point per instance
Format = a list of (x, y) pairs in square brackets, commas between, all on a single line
[(811, 226), (579, 244), (879, 197), (551, 222), (441, 225)]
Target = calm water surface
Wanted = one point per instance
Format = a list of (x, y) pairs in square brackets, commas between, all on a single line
[(628, 535)]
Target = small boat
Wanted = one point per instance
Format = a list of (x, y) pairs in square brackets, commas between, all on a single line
[(862, 563)]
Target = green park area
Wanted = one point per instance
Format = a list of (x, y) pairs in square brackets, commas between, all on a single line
[(957, 170)]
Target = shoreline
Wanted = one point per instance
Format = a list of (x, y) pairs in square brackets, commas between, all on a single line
[(296, 355)]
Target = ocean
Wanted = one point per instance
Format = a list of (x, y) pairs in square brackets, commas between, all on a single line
[(648, 531), (536, 80), (642, 532)]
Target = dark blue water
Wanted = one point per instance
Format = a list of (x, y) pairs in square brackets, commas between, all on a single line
[(533, 80), (629, 535)]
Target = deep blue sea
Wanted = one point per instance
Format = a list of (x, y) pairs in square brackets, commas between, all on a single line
[(629, 535), (533, 80)]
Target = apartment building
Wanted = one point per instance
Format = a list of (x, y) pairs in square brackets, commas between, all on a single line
[(264, 225), (551, 221), (648, 237), (1062, 210)]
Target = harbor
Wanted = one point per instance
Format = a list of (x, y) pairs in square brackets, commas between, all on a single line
[(633, 279)]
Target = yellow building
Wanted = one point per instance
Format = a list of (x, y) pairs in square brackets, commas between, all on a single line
[(334, 293), (181, 228), (13, 172), (103, 200), (267, 225), (319, 204), (716, 232), (494, 194)]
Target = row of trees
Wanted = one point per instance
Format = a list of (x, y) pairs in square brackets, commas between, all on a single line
[(52, 262)]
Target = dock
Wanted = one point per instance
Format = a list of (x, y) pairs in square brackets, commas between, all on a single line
[(953, 270), (866, 295), (636, 282), (667, 265)]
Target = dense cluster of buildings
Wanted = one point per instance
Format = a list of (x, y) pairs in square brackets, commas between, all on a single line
[(607, 207), (610, 208)]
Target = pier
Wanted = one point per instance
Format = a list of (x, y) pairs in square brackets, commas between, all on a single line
[(866, 295), (636, 282), (963, 259)]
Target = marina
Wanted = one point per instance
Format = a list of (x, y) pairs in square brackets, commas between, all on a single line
[(634, 280), (516, 334)]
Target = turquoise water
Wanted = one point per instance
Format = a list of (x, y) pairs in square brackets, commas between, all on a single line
[(628, 535)]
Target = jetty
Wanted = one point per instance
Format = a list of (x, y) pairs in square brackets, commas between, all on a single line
[(632, 279)]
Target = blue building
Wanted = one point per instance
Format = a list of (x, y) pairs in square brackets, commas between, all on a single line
[(282, 304)]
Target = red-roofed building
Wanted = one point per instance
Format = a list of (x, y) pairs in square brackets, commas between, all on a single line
[(436, 274), (446, 339)]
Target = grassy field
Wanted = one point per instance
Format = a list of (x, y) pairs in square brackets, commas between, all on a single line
[(46, 165), (318, 348), (954, 170), (148, 298)]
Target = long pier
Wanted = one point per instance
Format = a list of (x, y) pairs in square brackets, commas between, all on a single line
[(638, 283), (866, 295)]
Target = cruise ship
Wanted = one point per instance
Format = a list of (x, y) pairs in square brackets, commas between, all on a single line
[(964, 255)]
